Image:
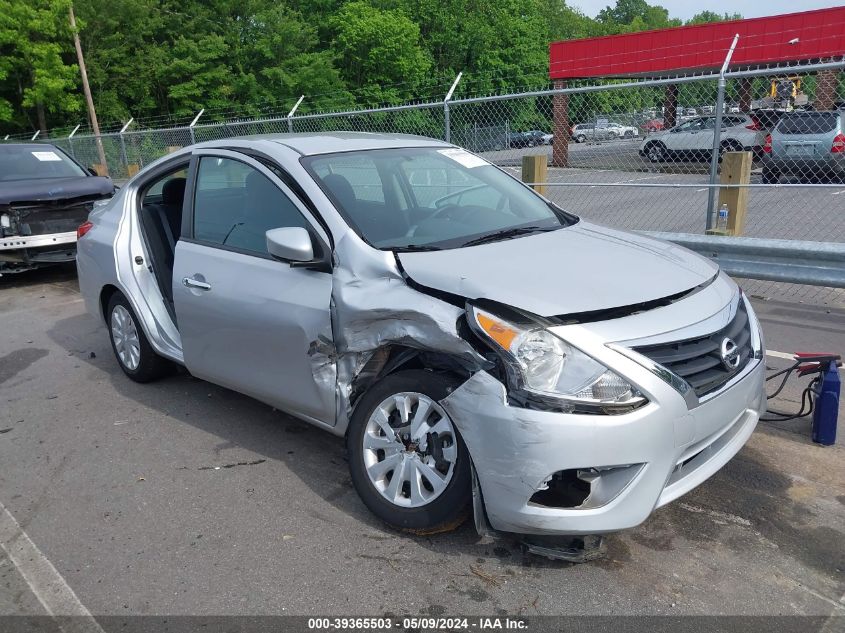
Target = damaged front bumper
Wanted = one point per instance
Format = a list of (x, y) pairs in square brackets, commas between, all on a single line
[(39, 235), (24, 252), (548, 473)]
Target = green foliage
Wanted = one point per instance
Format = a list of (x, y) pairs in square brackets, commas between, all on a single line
[(635, 15), (378, 51), (709, 16), (159, 60), (36, 65)]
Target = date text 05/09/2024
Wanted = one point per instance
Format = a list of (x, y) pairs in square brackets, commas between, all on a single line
[(418, 624)]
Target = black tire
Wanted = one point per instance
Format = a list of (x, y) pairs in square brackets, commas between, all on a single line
[(770, 176), (655, 152), (580, 138), (728, 146), (628, 134), (150, 365), (448, 510)]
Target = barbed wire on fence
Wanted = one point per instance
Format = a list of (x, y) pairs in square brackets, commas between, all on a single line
[(618, 152)]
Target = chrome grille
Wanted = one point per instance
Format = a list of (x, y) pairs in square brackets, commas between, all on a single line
[(699, 361)]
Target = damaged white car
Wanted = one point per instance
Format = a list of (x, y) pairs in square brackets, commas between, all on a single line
[(482, 350)]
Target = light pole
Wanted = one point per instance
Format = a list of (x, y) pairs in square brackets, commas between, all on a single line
[(92, 113)]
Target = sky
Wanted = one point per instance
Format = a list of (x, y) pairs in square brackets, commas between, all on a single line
[(685, 9)]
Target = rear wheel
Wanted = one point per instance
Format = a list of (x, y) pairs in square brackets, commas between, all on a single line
[(655, 151), (133, 351), (407, 461), (729, 146)]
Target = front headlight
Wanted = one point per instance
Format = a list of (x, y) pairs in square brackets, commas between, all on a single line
[(547, 365)]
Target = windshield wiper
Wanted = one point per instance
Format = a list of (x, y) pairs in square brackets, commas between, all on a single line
[(414, 248), (506, 234)]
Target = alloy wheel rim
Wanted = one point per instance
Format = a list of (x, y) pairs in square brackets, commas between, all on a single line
[(125, 337), (410, 449)]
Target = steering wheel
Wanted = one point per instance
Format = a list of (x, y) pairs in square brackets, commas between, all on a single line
[(449, 211), (441, 202)]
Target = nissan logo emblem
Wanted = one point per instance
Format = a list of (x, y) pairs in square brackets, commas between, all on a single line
[(729, 354)]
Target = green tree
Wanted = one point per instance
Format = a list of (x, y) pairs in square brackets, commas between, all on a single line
[(709, 16), (635, 15), (378, 52), (36, 70)]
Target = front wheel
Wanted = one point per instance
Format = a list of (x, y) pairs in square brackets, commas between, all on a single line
[(580, 138), (407, 461), (133, 351)]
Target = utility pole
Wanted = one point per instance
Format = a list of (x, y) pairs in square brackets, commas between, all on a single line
[(92, 113)]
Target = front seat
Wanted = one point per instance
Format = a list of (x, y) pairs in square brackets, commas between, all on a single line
[(342, 191), (172, 199)]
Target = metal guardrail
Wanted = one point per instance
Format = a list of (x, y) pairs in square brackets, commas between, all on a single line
[(790, 261)]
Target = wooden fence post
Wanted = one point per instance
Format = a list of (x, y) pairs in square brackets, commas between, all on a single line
[(736, 170), (535, 169)]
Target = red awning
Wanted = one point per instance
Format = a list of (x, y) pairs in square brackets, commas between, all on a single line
[(794, 37)]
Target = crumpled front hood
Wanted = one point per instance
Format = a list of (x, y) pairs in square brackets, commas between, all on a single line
[(50, 189), (581, 268)]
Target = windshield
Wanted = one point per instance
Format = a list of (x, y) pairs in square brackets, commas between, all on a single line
[(34, 162), (430, 198)]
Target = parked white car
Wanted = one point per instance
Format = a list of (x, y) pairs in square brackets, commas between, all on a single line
[(693, 139), (623, 131), (602, 130)]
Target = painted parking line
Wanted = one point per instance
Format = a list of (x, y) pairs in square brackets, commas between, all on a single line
[(45, 582), (775, 354)]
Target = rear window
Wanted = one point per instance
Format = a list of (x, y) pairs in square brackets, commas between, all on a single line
[(808, 123)]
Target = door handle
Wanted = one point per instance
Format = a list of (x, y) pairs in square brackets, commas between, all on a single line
[(193, 283)]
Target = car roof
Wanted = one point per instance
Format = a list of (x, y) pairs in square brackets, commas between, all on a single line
[(27, 146), (309, 144)]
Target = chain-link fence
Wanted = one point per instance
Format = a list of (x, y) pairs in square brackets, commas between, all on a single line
[(635, 155)]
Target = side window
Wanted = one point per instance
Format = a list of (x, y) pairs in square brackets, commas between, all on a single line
[(235, 205), (155, 193), (690, 126)]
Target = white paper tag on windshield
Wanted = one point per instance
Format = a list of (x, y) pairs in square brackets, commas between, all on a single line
[(46, 156), (463, 157)]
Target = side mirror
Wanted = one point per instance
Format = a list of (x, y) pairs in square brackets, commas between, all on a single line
[(292, 244)]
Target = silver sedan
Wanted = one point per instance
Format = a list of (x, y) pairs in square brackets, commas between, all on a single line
[(482, 351)]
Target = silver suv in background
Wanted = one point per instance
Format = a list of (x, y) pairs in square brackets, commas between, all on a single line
[(602, 130), (693, 139), (807, 146)]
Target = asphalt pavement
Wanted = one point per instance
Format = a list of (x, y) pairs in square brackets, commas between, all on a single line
[(179, 497)]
